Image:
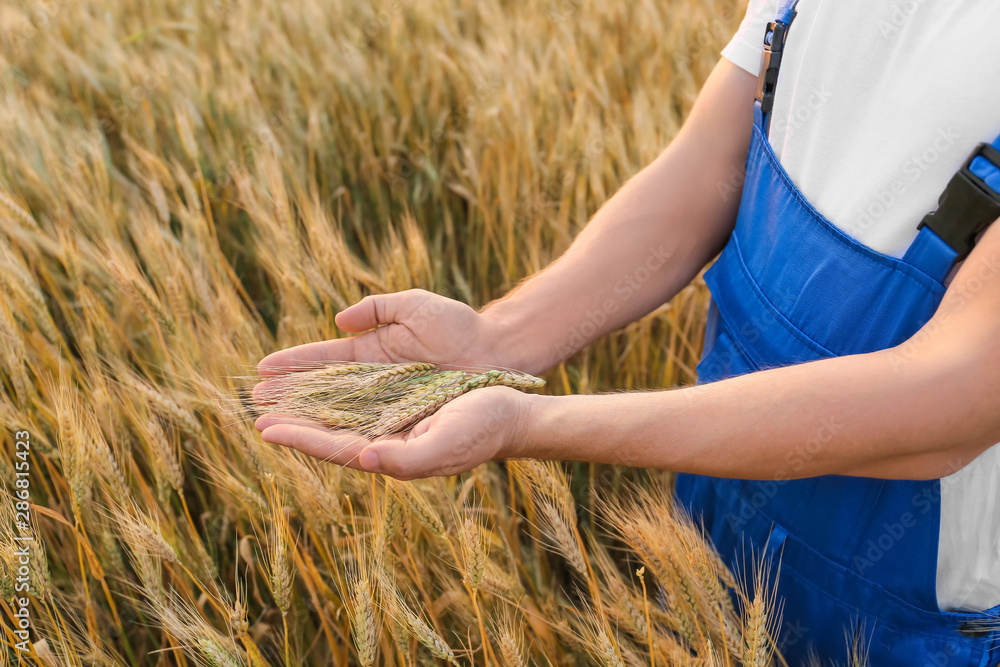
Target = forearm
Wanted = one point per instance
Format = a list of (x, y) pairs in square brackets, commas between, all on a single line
[(923, 409), (644, 244), (851, 415)]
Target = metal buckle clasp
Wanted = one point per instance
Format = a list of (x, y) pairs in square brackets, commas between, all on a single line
[(770, 63)]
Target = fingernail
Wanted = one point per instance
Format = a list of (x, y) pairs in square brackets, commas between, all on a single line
[(368, 459)]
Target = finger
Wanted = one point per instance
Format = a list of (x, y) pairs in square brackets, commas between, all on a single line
[(272, 419), (267, 392), (339, 447), (310, 354), (412, 457), (376, 310)]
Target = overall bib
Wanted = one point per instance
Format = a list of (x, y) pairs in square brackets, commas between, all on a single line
[(858, 556)]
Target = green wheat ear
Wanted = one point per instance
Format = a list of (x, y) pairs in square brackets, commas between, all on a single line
[(377, 399)]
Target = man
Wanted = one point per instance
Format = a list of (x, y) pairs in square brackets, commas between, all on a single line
[(849, 396)]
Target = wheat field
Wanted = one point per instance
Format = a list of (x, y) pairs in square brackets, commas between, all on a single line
[(188, 186)]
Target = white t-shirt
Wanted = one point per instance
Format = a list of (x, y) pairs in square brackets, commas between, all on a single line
[(878, 105)]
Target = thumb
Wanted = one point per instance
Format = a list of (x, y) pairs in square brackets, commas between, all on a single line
[(403, 458), (374, 311)]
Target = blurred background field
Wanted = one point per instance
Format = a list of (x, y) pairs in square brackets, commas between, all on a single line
[(187, 186)]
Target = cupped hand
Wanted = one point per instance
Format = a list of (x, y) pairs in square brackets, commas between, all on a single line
[(480, 426), (414, 325)]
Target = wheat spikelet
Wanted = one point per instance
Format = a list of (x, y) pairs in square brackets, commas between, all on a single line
[(8, 570), (474, 550), (168, 466), (754, 636), (510, 650), (711, 572), (73, 445), (238, 610), (561, 531), (167, 406), (608, 652), (422, 510), (509, 637), (12, 541), (857, 648), (392, 518), (624, 604), (186, 135), (142, 535), (41, 577), (546, 478), (398, 373), (100, 454), (177, 300), (313, 492), (18, 281), (364, 622), (217, 654), (406, 620), (130, 281), (13, 354), (200, 640), (278, 560), (499, 581), (424, 634), (600, 642), (16, 210), (760, 621)]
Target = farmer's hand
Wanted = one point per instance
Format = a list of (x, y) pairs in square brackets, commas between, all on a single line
[(480, 426), (414, 325)]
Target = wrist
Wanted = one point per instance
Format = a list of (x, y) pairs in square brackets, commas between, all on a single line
[(492, 342), (525, 436), (509, 340)]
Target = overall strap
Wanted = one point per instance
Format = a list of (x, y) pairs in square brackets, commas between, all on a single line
[(770, 63), (969, 204)]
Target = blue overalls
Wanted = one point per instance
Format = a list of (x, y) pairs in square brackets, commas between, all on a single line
[(858, 556)]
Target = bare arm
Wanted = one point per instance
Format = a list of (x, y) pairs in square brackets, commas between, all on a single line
[(922, 410), (644, 245)]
